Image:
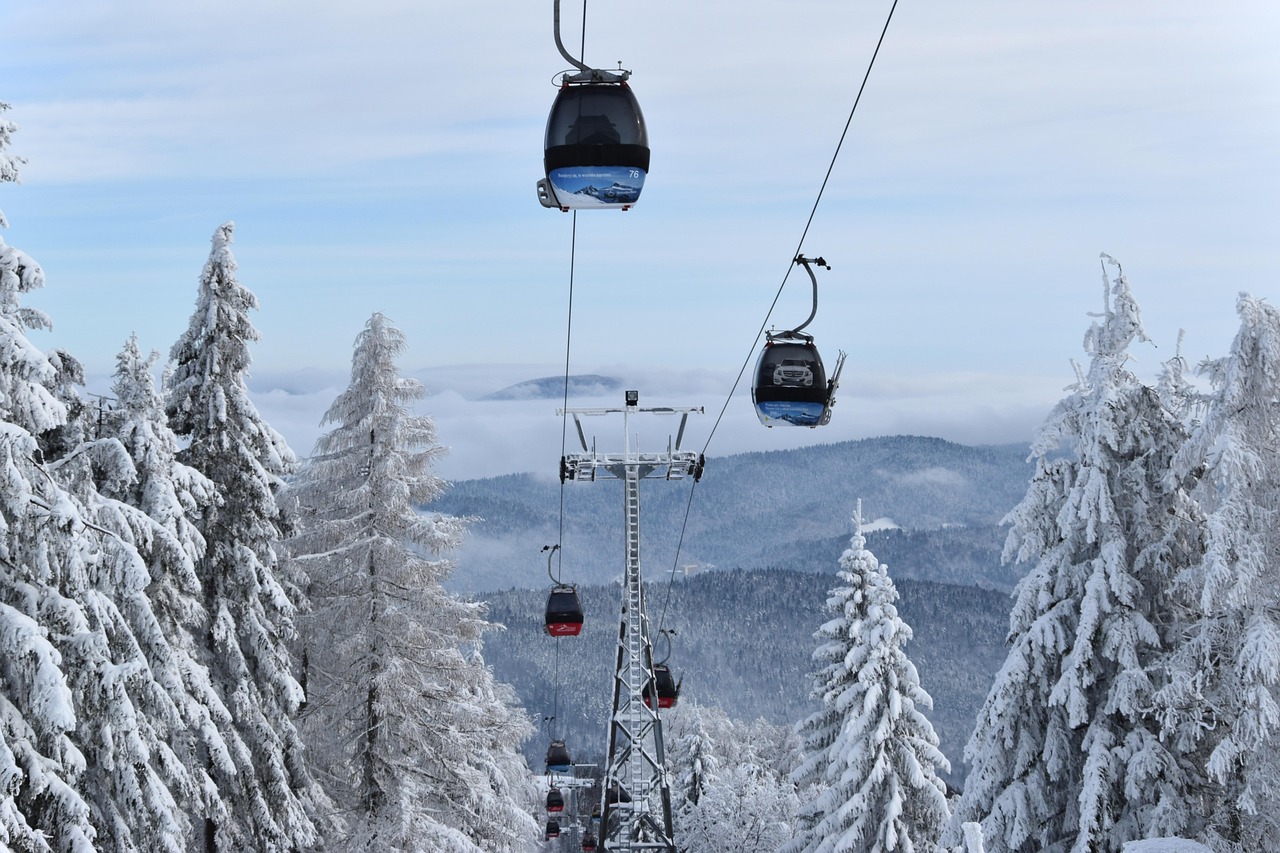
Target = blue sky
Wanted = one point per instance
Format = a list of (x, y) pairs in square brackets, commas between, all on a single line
[(382, 156)]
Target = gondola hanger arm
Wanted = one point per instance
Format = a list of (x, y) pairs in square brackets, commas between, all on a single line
[(666, 634), (551, 549), (586, 74), (806, 262)]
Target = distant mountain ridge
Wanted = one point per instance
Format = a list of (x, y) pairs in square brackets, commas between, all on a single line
[(551, 387), (773, 525), (775, 509)]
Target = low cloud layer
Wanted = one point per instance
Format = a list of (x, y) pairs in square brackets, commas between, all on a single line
[(492, 437)]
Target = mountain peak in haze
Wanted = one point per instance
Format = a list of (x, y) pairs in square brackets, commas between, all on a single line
[(552, 387)]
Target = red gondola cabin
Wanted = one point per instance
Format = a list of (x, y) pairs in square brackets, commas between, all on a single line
[(564, 612), (664, 685)]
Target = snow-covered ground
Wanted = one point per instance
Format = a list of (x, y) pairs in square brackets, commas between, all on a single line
[(1165, 845)]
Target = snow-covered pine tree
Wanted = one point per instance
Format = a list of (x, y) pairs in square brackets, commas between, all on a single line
[(748, 811), (1067, 753), (249, 598), (120, 666), (1222, 697), (731, 793), (872, 756), (692, 758), (164, 499), (83, 761), (1176, 392), (43, 582), (414, 739)]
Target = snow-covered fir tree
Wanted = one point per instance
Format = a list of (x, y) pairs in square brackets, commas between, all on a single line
[(76, 577), (871, 755), (167, 497), (731, 791), (748, 811), (1067, 753), (1176, 391), (250, 599), (41, 807), (694, 763), (121, 669), (1222, 697), (414, 739)]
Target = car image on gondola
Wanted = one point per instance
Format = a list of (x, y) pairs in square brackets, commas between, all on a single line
[(793, 372)]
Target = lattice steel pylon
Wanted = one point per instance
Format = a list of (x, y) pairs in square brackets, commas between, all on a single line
[(636, 812)]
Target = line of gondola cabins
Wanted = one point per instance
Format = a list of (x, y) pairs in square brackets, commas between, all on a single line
[(564, 618), (555, 807), (596, 131), (596, 157)]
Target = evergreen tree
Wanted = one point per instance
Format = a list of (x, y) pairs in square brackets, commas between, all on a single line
[(43, 583), (872, 756), (693, 759), (166, 498), (1221, 700), (415, 740), (749, 811), (250, 599), (120, 666), (730, 793), (1067, 753)]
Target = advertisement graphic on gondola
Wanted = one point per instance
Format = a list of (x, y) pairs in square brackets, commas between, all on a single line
[(597, 186), (790, 412)]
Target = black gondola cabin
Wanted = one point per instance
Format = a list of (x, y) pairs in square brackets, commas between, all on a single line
[(596, 152), (558, 759), (664, 685), (564, 612), (790, 387)]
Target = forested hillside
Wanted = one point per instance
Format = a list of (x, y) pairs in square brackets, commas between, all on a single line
[(784, 509), (743, 643)]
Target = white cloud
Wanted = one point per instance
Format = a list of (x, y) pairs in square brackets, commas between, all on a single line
[(489, 438), (932, 477)]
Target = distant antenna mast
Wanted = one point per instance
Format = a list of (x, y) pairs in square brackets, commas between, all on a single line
[(635, 775)]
